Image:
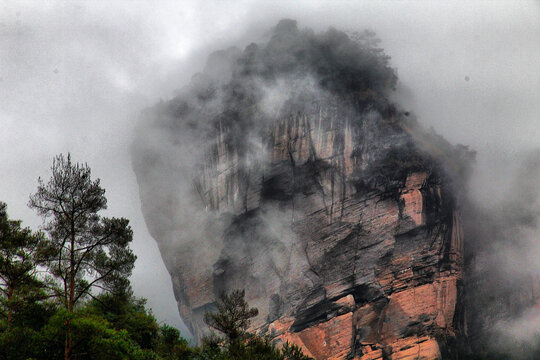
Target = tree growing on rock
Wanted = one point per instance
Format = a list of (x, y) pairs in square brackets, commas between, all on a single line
[(89, 251), (232, 318), (233, 315)]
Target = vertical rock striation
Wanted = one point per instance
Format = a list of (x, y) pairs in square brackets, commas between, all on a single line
[(337, 214)]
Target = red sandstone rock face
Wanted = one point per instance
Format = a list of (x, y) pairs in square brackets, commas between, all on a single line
[(430, 304), (343, 232)]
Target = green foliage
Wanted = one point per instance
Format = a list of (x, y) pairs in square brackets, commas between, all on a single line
[(64, 319), (87, 250), (118, 327), (233, 319), (21, 251), (95, 334), (124, 312), (233, 315), (22, 343), (171, 346), (253, 348), (293, 352), (93, 337)]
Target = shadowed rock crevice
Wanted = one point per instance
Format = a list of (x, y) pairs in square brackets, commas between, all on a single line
[(297, 180)]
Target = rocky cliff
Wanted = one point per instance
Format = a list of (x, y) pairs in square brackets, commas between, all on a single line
[(328, 204)]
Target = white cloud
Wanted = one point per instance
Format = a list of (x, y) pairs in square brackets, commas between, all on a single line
[(74, 75)]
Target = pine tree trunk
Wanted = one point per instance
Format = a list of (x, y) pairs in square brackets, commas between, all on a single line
[(10, 311), (67, 349), (71, 300)]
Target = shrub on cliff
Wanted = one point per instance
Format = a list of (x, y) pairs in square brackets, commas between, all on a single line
[(232, 319), (233, 315)]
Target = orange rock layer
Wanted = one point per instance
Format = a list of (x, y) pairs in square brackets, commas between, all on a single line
[(407, 256), (345, 235), (431, 305)]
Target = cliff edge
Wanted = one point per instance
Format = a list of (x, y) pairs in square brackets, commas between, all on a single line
[(285, 170)]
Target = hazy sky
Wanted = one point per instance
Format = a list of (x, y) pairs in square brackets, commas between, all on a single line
[(75, 74)]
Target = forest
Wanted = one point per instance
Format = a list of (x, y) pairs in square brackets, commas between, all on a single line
[(65, 293), (65, 290)]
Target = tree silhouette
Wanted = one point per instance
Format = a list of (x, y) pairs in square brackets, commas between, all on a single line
[(90, 251)]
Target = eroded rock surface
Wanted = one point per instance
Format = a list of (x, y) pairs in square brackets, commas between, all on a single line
[(347, 237), (331, 208)]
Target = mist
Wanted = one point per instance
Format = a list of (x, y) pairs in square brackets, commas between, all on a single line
[(75, 77)]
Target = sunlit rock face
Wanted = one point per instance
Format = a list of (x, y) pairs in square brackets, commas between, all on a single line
[(337, 214)]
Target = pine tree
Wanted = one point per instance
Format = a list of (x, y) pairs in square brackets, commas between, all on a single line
[(90, 251), (21, 251), (233, 315)]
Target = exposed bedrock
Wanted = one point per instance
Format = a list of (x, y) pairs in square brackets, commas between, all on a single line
[(284, 170), (342, 227)]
